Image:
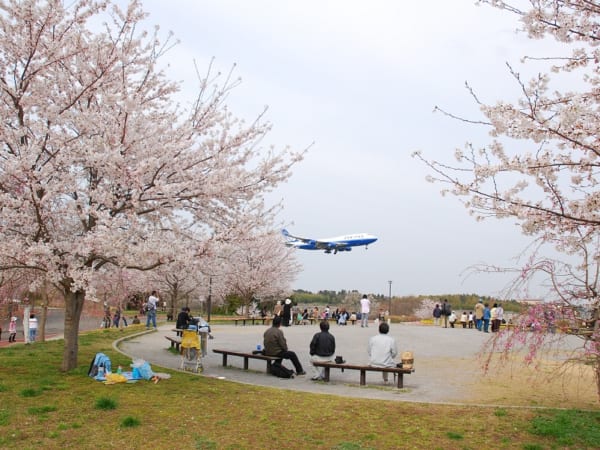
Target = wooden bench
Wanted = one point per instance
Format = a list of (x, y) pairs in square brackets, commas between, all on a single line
[(254, 320), (397, 371), (175, 342), (247, 356)]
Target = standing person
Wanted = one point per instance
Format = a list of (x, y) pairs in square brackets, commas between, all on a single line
[(446, 311), (183, 320), (382, 350), (471, 319), (120, 317), (12, 329), (278, 309), (464, 319), (322, 348), (275, 345), (287, 312), (151, 310), (479, 314), (437, 313), (365, 309), (494, 317), (500, 316), (486, 317), (33, 326)]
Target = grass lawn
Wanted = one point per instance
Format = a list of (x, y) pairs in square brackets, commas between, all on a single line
[(41, 407)]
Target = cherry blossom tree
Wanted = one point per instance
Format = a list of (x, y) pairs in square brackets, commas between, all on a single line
[(541, 169), (100, 167), (260, 267)]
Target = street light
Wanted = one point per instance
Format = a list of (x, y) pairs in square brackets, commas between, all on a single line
[(209, 302), (390, 307)]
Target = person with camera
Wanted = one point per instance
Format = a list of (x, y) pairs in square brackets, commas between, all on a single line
[(151, 310)]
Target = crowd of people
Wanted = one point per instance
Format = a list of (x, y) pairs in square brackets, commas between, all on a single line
[(382, 348), (291, 315), (483, 318)]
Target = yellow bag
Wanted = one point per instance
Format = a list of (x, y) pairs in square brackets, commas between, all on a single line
[(113, 378)]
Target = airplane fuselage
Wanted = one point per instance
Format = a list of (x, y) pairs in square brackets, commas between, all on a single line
[(334, 244)]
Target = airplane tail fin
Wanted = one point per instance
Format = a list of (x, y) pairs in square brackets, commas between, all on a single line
[(285, 232)]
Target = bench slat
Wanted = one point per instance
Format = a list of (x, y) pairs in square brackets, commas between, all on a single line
[(399, 371)]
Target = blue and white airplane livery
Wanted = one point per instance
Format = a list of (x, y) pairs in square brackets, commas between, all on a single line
[(335, 244)]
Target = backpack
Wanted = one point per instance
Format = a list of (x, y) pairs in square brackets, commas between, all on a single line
[(100, 360), (280, 371)]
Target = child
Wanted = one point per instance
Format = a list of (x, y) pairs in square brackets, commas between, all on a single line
[(12, 329)]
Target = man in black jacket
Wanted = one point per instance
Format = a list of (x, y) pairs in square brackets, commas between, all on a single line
[(322, 348), (183, 320), (276, 345)]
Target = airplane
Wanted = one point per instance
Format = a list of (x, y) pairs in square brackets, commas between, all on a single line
[(335, 244)]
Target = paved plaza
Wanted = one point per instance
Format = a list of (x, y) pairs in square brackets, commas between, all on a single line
[(445, 359)]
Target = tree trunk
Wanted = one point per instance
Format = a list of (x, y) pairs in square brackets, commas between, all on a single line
[(44, 314), (42, 322), (73, 309)]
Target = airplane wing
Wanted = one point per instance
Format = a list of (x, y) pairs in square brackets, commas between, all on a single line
[(289, 236)]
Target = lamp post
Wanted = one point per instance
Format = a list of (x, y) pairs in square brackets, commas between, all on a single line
[(209, 302), (390, 307)]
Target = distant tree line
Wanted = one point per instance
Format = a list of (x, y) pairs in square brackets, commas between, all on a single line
[(404, 305)]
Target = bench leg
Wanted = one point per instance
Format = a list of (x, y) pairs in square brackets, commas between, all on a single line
[(245, 363), (224, 360), (400, 381), (326, 373), (363, 377)]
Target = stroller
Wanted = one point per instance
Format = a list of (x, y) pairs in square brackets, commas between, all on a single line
[(191, 357)]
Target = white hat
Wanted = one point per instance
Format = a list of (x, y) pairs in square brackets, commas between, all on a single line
[(287, 301), (13, 319)]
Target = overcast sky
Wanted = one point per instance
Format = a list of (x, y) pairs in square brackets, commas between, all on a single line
[(360, 80)]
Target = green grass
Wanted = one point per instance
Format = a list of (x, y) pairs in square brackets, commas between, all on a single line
[(106, 403), (569, 427), (41, 407), (130, 422)]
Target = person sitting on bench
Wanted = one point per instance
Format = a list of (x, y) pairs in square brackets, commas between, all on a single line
[(275, 344), (322, 348), (382, 350)]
